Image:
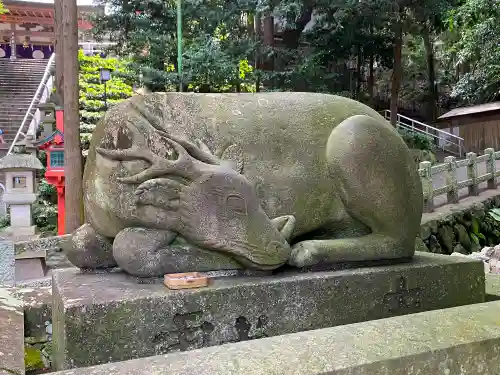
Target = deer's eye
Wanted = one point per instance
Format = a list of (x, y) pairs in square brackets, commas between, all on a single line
[(236, 204)]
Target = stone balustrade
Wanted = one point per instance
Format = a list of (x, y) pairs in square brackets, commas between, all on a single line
[(453, 184)]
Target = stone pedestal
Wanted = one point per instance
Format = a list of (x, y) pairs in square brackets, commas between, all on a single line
[(11, 334), (98, 318), (460, 340), (30, 265)]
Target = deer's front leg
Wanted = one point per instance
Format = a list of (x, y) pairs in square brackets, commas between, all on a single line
[(151, 253), (87, 249)]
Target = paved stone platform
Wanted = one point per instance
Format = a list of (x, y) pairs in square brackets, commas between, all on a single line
[(99, 318), (11, 334), (462, 340)]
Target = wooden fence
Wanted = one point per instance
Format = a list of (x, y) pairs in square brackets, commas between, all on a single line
[(452, 185)]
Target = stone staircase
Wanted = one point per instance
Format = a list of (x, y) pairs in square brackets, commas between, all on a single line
[(19, 80)]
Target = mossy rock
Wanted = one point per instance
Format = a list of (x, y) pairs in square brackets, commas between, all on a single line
[(33, 358), (446, 237), (420, 245), (434, 246), (463, 238)]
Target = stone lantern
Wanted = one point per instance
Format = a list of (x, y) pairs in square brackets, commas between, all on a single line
[(20, 190)]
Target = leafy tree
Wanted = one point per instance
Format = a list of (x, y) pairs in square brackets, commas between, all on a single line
[(355, 48), (3, 10), (477, 51), (92, 104)]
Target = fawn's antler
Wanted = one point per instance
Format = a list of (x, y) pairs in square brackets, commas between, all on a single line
[(190, 162)]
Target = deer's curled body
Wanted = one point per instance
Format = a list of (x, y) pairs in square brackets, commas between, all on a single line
[(262, 179)]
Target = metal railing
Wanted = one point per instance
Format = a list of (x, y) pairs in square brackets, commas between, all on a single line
[(42, 93), (445, 140)]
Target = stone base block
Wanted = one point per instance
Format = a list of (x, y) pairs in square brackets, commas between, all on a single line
[(21, 231), (99, 318), (11, 333), (29, 269), (461, 340), (37, 302), (492, 287)]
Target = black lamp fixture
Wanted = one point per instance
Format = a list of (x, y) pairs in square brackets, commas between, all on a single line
[(105, 76)]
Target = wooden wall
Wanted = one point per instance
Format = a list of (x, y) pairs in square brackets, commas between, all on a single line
[(478, 136), (479, 132)]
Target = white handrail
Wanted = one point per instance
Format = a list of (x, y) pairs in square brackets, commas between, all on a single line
[(46, 75), (444, 136), (388, 115), (37, 118)]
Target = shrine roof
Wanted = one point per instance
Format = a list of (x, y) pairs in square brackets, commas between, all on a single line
[(42, 13), (48, 140)]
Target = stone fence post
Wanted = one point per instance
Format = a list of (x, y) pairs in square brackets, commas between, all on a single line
[(491, 168), (451, 179), (472, 173), (427, 187)]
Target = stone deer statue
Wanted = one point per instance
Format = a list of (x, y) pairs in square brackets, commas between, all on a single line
[(179, 182)]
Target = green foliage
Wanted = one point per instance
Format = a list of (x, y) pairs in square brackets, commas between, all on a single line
[(47, 192), (475, 235), (3, 10), (492, 219), (33, 358), (44, 216), (495, 214), (344, 47), (92, 104), (5, 221), (417, 140), (477, 49)]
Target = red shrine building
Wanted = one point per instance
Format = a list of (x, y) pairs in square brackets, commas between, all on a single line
[(27, 29), (54, 174)]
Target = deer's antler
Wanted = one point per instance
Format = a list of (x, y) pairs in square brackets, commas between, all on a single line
[(184, 166)]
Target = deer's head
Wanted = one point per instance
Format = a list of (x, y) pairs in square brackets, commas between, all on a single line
[(204, 200)]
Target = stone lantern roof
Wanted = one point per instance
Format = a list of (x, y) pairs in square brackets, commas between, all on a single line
[(20, 161)]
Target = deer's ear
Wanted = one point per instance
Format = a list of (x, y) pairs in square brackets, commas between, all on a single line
[(233, 155), (286, 225)]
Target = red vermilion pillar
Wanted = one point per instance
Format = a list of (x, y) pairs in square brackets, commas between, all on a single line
[(55, 176), (60, 205), (60, 209)]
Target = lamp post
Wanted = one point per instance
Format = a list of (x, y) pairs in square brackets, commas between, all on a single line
[(105, 76), (179, 42)]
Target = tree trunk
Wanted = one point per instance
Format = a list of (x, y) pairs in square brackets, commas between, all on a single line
[(258, 58), (371, 72), (291, 37), (431, 73), (396, 71), (72, 152), (58, 46), (359, 73), (371, 79), (269, 41)]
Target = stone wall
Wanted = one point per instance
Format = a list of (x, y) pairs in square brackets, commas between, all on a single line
[(464, 227)]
